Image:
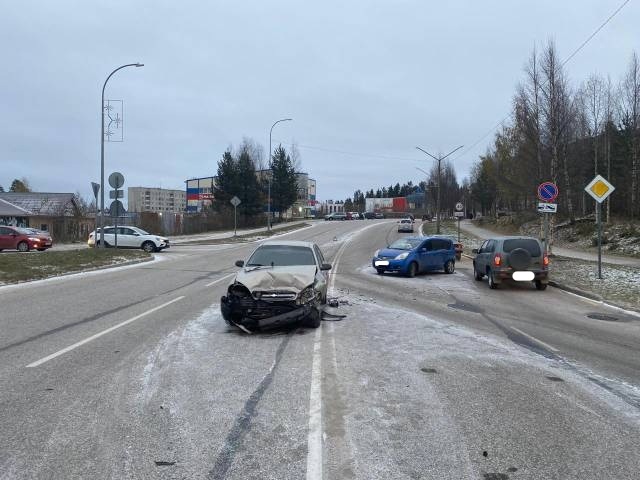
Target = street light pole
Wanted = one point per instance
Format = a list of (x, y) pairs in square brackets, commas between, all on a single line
[(270, 171), (102, 149), (439, 160)]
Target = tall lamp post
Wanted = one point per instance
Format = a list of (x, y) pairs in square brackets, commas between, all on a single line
[(426, 187), (270, 172), (439, 160), (102, 149)]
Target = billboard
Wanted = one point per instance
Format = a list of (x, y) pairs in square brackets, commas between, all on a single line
[(199, 193), (397, 204)]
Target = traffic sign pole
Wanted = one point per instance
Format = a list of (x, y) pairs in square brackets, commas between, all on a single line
[(547, 192), (599, 215)]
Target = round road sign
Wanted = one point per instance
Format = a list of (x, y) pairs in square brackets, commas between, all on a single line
[(116, 180), (459, 206), (547, 192)]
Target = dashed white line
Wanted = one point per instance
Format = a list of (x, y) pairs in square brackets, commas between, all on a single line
[(531, 337), (100, 334)]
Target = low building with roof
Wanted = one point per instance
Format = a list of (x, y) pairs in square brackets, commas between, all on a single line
[(57, 213)]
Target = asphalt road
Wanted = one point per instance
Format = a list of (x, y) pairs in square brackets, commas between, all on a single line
[(132, 373)]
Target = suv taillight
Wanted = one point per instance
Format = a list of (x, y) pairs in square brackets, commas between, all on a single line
[(545, 260), (497, 260)]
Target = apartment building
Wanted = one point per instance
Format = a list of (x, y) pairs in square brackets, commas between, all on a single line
[(145, 199)]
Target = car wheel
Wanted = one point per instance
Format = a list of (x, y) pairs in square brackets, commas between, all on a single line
[(149, 247), (540, 285), (313, 319), (449, 267), (492, 283), (477, 275), (413, 269), (23, 247), (380, 271)]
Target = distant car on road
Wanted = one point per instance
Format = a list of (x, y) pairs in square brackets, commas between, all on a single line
[(369, 215), (405, 225), (335, 216), (129, 237), (412, 255), (280, 283), (379, 215), (24, 239), (426, 218), (521, 259)]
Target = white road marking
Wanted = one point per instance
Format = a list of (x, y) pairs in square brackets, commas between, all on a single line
[(315, 435), (100, 334), (530, 337), (219, 280), (314, 438)]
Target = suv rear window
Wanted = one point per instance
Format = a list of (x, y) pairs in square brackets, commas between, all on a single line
[(529, 244)]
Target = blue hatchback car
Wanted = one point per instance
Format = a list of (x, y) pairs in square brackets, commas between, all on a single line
[(412, 255)]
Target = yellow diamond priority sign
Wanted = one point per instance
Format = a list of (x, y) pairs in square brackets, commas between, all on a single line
[(599, 188)]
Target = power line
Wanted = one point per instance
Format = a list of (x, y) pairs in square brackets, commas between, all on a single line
[(573, 54), (354, 154)]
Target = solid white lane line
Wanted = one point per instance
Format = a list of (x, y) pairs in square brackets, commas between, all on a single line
[(531, 337), (219, 280), (314, 438), (98, 335)]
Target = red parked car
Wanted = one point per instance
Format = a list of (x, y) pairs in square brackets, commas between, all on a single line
[(23, 239)]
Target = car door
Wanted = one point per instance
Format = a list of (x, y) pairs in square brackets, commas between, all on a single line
[(109, 236), (430, 255), (422, 253), (481, 257), (323, 275), (6, 239), (126, 237)]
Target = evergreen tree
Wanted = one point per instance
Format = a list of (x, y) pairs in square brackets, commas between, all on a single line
[(227, 182), (20, 185), (284, 184), (249, 190), (1, 188)]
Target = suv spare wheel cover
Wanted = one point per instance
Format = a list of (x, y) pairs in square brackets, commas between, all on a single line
[(520, 258)]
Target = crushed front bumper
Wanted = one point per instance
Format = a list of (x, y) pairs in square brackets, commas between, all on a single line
[(259, 314)]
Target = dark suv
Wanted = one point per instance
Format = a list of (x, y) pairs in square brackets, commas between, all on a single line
[(512, 258)]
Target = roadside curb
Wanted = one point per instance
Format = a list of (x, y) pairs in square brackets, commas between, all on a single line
[(577, 291)]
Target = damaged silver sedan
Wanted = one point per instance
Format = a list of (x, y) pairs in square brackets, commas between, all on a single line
[(281, 283)]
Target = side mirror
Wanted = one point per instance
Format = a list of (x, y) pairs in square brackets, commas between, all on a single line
[(136, 234), (240, 263), (475, 250), (423, 249), (325, 266)]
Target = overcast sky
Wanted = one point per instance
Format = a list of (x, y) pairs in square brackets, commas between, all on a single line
[(369, 78)]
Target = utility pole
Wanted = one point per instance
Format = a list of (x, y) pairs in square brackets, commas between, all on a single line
[(439, 160)]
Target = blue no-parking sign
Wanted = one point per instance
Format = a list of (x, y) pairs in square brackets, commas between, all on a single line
[(547, 192)]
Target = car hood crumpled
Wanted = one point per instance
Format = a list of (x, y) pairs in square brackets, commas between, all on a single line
[(292, 278)]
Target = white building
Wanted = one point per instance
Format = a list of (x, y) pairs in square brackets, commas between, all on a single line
[(145, 199)]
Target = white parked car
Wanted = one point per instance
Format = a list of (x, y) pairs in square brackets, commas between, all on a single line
[(129, 237)]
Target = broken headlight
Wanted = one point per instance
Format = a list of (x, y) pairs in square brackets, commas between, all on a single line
[(307, 295)]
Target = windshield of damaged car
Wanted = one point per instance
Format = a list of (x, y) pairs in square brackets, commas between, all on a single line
[(281, 255), (405, 244)]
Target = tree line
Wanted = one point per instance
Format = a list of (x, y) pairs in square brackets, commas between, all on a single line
[(18, 185), (240, 173), (452, 191), (564, 133)]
